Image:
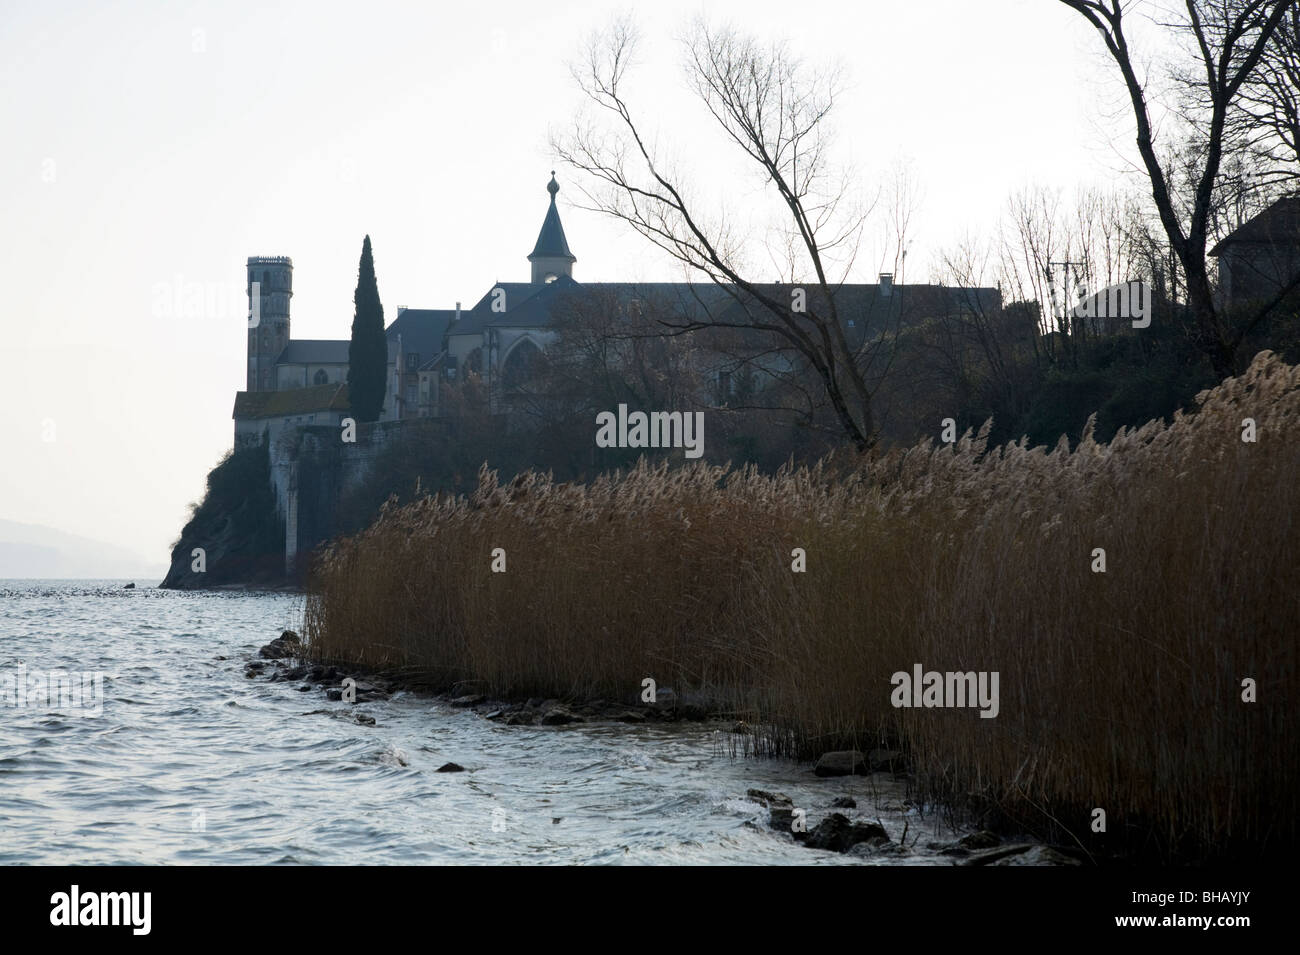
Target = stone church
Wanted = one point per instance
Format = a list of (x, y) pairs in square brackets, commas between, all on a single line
[(303, 382)]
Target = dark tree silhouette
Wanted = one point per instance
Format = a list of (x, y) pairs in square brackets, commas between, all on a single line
[(368, 350)]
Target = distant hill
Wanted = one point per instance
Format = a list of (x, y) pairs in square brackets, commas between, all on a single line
[(30, 550)]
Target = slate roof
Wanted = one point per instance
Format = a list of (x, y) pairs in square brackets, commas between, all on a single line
[(551, 243), (296, 401), (322, 351), (314, 351), (535, 305), (1278, 224), (421, 330)]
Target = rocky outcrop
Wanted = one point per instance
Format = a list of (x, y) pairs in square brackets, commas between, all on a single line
[(236, 528)]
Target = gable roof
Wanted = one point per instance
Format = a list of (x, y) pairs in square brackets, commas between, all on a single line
[(1279, 224), (296, 401), (422, 330), (314, 351), (867, 306)]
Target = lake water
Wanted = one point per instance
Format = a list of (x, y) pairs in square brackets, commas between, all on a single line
[(190, 762)]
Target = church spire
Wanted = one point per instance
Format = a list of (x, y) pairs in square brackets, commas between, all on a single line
[(551, 257)]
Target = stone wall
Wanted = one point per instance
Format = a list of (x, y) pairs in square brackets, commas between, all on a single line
[(311, 467)]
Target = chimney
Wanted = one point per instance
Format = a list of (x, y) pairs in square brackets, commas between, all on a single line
[(457, 313), (886, 284)]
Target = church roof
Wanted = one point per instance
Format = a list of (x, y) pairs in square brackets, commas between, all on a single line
[(864, 307), (275, 404), (551, 243), (421, 329), (314, 351), (1278, 224)]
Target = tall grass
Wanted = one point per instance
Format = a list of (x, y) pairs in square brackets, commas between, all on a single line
[(1119, 690)]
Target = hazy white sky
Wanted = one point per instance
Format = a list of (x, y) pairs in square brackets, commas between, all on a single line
[(150, 148)]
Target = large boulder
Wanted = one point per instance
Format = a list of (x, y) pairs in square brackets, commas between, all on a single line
[(836, 833), (285, 645)]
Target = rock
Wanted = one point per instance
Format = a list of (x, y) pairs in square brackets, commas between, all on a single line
[(522, 718), (473, 699), (836, 834), (845, 762), (450, 768), (306, 687), (781, 818), (495, 714), (767, 799), (995, 855), (845, 802), (692, 712), (365, 719), (878, 848), (631, 716), (888, 760), (742, 727), (559, 716), (534, 702), (130, 586), (334, 693), (285, 645), (1038, 855), (980, 840)]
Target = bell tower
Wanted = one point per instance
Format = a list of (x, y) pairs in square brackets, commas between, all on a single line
[(551, 257), (270, 286)]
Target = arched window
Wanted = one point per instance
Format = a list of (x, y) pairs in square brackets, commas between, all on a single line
[(320, 378), (520, 365)]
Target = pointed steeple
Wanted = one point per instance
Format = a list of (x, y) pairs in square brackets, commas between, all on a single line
[(551, 257)]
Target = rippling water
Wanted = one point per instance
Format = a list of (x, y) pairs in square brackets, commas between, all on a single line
[(190, 762)]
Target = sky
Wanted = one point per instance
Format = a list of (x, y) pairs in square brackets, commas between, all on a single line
[(152, 147)]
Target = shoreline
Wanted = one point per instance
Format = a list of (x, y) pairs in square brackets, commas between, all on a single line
[(826, 827)]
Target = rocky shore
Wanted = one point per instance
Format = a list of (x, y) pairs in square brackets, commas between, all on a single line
[(836, 825)]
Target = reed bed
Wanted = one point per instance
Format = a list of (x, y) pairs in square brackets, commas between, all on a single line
[(1119, 690)]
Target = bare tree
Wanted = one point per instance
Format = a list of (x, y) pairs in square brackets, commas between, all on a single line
[(1230, 40), (775, 110)]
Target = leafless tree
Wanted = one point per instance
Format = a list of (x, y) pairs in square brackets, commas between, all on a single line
[(1230, 39), (774, 109)]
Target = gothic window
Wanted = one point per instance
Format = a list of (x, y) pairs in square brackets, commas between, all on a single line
[(412, 361), (520, 365), (321, 378)]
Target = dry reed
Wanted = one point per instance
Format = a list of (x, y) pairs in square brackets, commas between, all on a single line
[(1119, 690)]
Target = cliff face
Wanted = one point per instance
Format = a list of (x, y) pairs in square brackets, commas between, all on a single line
[(236, 527)]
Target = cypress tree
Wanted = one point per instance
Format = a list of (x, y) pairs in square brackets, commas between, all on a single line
[(368, 350)]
